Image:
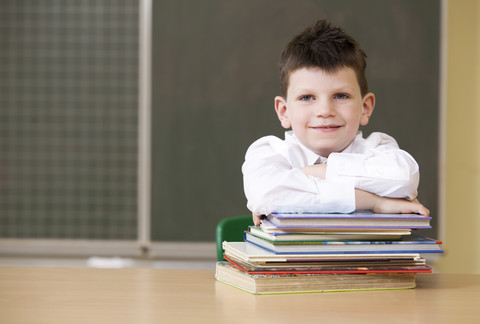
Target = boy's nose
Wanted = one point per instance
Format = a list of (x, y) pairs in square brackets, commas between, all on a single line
[(324, 109)]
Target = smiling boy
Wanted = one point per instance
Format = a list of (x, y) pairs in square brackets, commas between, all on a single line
[(324, 163)]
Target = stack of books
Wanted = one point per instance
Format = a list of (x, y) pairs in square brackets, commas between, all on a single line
[(313, 252)]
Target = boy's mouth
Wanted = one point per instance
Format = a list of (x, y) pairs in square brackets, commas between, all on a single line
[(326, 127)]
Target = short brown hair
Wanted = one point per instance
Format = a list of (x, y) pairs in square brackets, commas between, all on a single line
[(326, 47)]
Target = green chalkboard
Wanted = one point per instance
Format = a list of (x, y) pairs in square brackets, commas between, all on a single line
[(215, 74)]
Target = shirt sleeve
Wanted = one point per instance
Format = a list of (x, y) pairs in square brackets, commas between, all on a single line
[(381, 168), (271, 183)]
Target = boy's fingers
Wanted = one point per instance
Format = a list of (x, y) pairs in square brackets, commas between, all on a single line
[(423, 210), (256, 219)]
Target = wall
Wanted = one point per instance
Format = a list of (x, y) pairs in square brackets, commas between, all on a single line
[(462, 178)]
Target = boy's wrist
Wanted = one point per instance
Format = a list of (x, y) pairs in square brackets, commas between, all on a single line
[(365, 200)]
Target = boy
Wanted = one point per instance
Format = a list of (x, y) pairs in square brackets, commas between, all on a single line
[(324, 163)]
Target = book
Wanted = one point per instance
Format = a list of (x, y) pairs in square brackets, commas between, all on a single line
[(358, 220), (407, 244), (285, 236), (309, 283), (268, 227), (331, 267), (320, 265), (252, 253)]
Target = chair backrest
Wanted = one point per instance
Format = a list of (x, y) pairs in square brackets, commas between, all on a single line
[(231, 229)]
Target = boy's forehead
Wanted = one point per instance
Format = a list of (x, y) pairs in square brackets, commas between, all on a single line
[(309, 76)]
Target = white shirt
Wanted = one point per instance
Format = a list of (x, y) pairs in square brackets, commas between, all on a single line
[(274, 181)]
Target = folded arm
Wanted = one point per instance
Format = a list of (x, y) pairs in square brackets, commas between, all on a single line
[(380, 177), (367, 201), (381, 168)]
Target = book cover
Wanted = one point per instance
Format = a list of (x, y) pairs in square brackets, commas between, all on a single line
[(413, 244)]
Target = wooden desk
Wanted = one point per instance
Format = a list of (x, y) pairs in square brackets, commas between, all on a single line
[(82, 295)]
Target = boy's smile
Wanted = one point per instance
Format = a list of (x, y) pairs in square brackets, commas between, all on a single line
[(324, 109)]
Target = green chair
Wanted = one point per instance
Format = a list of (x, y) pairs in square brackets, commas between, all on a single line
[(231, 229)]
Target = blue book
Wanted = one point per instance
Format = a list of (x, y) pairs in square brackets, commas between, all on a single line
[(406, 244)]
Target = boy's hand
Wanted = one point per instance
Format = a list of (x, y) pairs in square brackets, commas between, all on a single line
[(403, 206), (256, 219), (367, 201)]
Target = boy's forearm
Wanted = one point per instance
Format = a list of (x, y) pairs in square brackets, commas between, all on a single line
[(365, 200)]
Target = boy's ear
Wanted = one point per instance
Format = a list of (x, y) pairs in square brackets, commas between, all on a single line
[(281, 110), (367, 110)]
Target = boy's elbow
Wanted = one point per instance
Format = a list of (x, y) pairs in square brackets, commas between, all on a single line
[(407, 188), (259, 201), (412, 186)]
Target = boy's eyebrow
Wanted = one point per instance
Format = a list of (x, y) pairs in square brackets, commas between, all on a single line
[(339, 88), (347, 88)]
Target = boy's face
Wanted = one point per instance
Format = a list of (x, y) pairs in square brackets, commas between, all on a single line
[(324, 109)]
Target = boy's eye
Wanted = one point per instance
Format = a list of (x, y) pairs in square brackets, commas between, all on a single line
[(341, 96), (306, 98)]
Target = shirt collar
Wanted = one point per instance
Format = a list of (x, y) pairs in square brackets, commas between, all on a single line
[(312, 157)]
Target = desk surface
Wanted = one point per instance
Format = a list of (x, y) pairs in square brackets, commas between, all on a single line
[(82, 295)]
